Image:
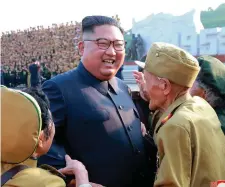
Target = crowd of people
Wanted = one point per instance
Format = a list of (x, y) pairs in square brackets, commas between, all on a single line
[(84, 124), (54, 47)]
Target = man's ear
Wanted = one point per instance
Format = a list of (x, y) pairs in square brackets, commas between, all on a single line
[(81, 48), (165, 86), (202, 93), (40, 145)]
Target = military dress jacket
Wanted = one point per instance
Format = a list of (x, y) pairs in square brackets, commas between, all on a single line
[(32, 176), (191, 145), (98, 124), (221, 115)]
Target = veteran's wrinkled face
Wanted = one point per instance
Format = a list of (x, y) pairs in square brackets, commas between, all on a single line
[(102, 63), (196, 90), (155, 91)]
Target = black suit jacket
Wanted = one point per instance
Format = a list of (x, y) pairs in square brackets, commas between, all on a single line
[(98, 124)]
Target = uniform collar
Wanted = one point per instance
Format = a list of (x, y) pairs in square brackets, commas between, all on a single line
[(114, 85), (155, 118), (101, 86), (175, 104)]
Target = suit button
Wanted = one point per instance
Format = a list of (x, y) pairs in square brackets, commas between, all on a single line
[(129, 128), (137, 152), (120, 107), (142, 175)]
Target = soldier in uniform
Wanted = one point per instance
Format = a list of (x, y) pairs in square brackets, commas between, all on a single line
[(188, 135), (24, 75), (6, 75), (26, 136), (46, 72), (17, 75), (2, 77), (35, 72), (140, 47), (210, 85), (12, 77)]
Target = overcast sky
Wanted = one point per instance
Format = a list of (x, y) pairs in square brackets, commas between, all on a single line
[(21, 14)]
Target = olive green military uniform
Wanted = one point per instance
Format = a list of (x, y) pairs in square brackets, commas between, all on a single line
[(221, 115), (212, 74), (191, 145), (20, 129), (190, 142), (46, 73), (28, 79), (23, 77), (6, 77), (34, 177)]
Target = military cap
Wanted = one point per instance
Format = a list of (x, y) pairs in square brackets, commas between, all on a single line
[(141, 63), (169, 61), (20, 125), (212, 73)]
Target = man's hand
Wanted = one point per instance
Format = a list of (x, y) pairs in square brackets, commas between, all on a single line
[(95, 185), (74, 167), (139, 77)]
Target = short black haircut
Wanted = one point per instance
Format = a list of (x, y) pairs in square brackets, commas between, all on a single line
[(90, 22), (33, 60), (44, 105)]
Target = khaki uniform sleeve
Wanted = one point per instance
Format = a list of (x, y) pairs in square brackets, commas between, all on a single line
[(175, 157)]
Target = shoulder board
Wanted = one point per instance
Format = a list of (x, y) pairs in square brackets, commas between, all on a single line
[(69, 180)]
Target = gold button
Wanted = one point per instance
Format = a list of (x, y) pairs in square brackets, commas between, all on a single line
[(120, 107)]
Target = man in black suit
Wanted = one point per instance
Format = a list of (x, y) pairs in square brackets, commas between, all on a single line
[(35, 76), (96, 120)]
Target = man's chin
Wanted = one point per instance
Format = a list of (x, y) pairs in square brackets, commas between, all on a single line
[(152, 107), (108, 73)]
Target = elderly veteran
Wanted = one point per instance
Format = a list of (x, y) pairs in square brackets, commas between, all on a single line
[(27, 132), (210, 85), (190, 142)]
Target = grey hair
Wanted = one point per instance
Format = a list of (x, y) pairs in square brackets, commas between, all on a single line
[(212, 97)]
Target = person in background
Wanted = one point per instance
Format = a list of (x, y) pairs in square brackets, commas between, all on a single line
[(45, 72), (210, 85), (35, 76), (24, 76), (12, 76), (2, 76)]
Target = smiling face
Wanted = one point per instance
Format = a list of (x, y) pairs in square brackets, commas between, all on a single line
[(102, 63)]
